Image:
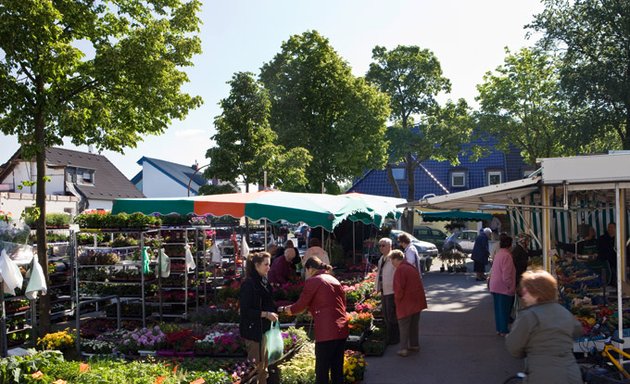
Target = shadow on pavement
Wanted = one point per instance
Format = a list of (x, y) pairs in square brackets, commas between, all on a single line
[(458, 341)]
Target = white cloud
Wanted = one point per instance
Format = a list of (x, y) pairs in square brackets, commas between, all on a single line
[(188, 132)]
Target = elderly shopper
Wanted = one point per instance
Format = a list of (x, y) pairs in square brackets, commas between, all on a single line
[(410, 251), (503, 284), (325, 299), (385, 287), (410, 301), (543, 333), (257, 310), (282, 268), (481, 253), (315, 249)]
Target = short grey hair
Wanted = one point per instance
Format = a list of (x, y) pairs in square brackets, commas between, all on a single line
[(386, 240)]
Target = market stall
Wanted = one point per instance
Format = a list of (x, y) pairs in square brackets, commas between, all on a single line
[(564, 193), (316, 210)]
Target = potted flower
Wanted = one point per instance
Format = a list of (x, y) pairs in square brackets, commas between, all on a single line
[(146, 340), (62, 341), (359, 322), (91, 347), (180, 343), (353, 366)]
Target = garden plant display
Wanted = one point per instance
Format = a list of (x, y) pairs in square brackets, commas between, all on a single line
[(141, 339)]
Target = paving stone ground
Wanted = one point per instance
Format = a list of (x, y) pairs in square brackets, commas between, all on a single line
[(458, 342)]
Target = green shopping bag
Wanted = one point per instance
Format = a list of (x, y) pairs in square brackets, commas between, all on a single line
[(274, 343)]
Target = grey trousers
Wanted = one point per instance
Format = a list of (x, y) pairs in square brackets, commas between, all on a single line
[(409, 331), (391, 322)]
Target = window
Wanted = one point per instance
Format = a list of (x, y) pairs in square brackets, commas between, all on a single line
[(494, 177), (398, 173), (458, 179)]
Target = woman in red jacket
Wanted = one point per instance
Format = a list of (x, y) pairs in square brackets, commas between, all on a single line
[(410, 301), (325, 299)]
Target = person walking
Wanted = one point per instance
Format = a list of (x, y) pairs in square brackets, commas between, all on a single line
[(325, 299), (410, 301), (385, 287), (257, 311), (502, 284), (543, 333), (480, 253)]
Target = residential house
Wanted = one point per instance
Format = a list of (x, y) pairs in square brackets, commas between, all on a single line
[(160, 178), (441, 177), (88, 177)]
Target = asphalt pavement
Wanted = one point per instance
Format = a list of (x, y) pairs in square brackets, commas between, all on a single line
[(458, 341)]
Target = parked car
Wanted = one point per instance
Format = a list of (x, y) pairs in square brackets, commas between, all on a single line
[(431, 235), (465, 239), (427, 251)]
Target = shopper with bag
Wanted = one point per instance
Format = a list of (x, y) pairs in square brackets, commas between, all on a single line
[(258, 311), (325, 299)]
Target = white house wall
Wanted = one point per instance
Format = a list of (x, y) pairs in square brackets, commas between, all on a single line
[(156, 184), (16, 202), (100, 204), (27, 171)]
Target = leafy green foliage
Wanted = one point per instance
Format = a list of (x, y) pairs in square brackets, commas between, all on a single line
[(105, 72), (246, 144), (216, 189), (520, 105), (591, 38), (412, 77), (318, 104)]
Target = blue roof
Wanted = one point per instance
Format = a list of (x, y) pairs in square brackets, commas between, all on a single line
[(433, 177), (177, 172)]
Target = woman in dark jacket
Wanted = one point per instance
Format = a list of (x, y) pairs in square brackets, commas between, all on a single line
[(257, 310), (325, 299)]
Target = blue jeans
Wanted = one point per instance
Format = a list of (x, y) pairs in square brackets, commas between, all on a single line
[(502, 309)]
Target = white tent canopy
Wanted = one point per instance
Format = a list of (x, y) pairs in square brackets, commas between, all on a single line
[(564, 184)]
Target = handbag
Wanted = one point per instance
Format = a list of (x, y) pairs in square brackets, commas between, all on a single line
[(274, 343)]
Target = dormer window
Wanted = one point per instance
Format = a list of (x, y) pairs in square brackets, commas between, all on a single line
[(398, 173), (458, 179), (495, 177)]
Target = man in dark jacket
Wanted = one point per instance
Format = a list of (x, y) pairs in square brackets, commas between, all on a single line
[(607, 252), (481, 252)]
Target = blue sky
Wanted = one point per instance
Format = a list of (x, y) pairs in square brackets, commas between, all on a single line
[(468, 37)]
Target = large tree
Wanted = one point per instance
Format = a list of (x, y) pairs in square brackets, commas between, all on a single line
[(317, 103), (245, 143), (592, 38), (105, 73), (422, 129), (520, 104)]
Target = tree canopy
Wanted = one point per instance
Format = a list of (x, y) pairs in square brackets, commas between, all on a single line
[(246, 144), (318, 104), (521, 105), (412, 77), (592, 38), (105, 73)]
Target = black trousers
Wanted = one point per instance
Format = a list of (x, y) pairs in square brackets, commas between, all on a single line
[(391, 322), (329, 361)]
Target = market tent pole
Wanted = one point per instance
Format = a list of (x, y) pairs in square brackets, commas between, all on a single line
[(546, 233), (620, 206)]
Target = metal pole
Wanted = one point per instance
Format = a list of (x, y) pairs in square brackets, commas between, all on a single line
[(265, 220)]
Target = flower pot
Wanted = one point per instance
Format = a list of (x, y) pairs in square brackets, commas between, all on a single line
[(165, 353), (146, 352)]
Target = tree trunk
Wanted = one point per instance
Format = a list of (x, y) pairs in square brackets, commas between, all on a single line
[(40, 203), (626, 139), (407, 222)]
